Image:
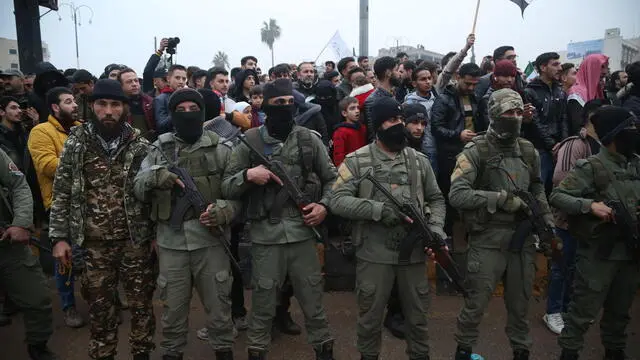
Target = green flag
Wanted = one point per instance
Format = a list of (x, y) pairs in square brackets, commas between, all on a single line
[(529, 69)]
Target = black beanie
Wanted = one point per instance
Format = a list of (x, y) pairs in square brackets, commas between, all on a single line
[(108, 89), (280, 87), (212, 104), (185, 94), (414, 112), (81, 76), (384, 109), (608, 121), (325, 89)]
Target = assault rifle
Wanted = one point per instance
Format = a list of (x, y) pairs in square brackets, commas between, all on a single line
[(630, 228), (550, 245), (191, 197), (419, 231), (295, 193), (33, 241)]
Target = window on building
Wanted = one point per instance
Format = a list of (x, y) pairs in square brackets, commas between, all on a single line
[(13, 51), (14, 66)]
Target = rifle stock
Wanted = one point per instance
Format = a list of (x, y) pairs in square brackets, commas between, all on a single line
[(631, 228), (295, 193), (420, 231)]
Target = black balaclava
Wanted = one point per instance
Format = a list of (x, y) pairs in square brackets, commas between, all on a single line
[(187, 125), (279, 121)]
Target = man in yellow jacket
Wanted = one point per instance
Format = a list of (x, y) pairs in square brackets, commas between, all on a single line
[(45, 145)]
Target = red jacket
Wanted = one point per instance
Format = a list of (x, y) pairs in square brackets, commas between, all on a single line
[(348, 138)]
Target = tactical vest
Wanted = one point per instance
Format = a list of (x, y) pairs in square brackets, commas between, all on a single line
[(366, 162), (590, 229), (490, 157), (204, 165), (268, 201)]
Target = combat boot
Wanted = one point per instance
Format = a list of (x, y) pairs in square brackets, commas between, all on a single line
[(141, 356), (324, 351), (257, 354), (462, 353), (224, 354), (40, 352), (285, 324), (569, 355), (614, 354), (521, 354)]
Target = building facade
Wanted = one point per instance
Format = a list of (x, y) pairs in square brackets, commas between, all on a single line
[(620, 51), (9, 58), (414, 53)]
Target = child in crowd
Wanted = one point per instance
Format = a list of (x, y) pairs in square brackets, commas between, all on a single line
[(349, 135), (257, 116)]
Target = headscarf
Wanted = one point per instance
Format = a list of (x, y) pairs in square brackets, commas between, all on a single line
[(587, 84)]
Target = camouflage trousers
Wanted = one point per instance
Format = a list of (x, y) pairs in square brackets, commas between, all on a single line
[(106, 264)]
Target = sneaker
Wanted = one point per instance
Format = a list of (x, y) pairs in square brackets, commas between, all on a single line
[(554, 322), (72, 319), (241, 323)]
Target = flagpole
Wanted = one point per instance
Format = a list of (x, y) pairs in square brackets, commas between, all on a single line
[(475, 18), (321, 51)]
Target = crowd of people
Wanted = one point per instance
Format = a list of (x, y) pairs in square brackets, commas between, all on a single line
[(149, 183)]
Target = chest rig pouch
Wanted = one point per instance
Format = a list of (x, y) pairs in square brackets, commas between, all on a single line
[(490, 167), (204, 167), (366, 190), (270, 200)]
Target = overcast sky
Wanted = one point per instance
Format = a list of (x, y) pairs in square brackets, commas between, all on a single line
[(122, 31)]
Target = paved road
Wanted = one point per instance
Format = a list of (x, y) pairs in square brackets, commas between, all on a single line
[(71, 344)]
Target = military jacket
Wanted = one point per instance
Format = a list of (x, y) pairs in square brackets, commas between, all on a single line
[(355, 199), (575, 194), (290, 227), (69, 208), (206, 161), (16, 203), (483, 169)]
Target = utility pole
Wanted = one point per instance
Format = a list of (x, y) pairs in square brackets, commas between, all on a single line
[(75, 12), (364, 27)]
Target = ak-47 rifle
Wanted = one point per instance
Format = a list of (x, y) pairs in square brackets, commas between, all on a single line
[(295, 193), (190, 197), (550, 244), (630, 227), (419, 231)]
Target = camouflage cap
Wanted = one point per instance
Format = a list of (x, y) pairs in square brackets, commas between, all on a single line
[(502, 101)]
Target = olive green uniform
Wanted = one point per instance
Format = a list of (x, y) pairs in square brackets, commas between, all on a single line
[(482, 171), (409, 177), (281, 243), (602, 280), (20, 272), (192, 256)]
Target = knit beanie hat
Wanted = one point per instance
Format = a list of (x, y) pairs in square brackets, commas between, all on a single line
[(108, 89), (185, 94), (82, 76), (280, 87), (384, 109), (505, 68), (414, 112), (212, 105), (608, 121), (325, 89)]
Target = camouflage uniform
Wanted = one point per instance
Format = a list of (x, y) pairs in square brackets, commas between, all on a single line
[(20, 271), (479, 187), (191, 256), (409, 177), (94, 206), (281, 244)]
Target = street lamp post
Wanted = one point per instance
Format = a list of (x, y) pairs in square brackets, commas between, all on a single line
[(75, 12)]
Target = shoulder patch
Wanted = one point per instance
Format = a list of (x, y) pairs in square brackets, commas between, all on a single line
[(462, 165), (344, 175)]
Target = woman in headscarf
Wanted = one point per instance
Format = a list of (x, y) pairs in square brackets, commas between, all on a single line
[(589, 86)]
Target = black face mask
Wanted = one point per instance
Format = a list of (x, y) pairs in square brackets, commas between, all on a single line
[(279, 120), (627, 142), (394, 138), (188, 125)]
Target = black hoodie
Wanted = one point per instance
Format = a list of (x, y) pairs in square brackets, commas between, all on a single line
[(238, 94), (47, 77)]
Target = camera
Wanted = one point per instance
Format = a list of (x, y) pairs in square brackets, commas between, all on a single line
[(172, 43)]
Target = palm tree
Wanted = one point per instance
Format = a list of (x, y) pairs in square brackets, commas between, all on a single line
[(269, 33), (221, 59)]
